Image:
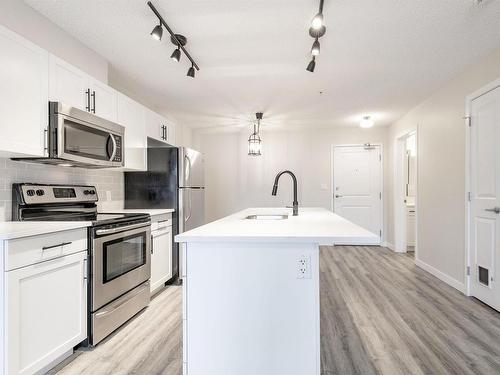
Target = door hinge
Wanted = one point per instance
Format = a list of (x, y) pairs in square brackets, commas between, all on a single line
[(469, 196), (380, 196), (469, 120), (468, 270), (380, 232), (379, 157)]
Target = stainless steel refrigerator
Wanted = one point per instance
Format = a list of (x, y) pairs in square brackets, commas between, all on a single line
[(175, 179), (191, 189)]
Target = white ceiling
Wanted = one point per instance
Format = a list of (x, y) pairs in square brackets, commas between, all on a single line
[(378, 57)]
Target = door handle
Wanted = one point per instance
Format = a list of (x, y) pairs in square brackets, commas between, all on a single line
[(93, 101), (87, 92), (338, 196), (494, 209)]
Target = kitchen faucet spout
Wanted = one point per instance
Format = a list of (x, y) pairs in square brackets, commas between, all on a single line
[(275, 189)]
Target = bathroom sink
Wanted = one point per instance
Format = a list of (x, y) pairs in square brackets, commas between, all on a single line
[(267, 217)]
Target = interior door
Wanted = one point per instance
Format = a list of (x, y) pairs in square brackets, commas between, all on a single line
[(485, 203), (357, 185)]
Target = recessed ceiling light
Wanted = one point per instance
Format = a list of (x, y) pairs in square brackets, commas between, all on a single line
[(366, 122)]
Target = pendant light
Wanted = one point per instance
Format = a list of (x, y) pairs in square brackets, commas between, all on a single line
[(312, 65), (254, 141)]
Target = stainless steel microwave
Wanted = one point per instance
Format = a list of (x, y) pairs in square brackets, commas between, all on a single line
[(77, 138)]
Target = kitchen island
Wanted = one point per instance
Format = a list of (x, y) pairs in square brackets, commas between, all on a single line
[(251, 290)]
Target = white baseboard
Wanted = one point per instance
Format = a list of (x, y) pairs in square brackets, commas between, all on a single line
[(460, 286), (388, 245)]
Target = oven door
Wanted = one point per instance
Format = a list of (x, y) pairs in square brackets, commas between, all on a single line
[(120, 262), (85, 138)]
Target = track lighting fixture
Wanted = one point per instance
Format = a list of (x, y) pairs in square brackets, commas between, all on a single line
[(317, 21), (157, 32), (179, 41), (254, 141), (312, 65), (316, 31), (190, 72), (176, 55), (315, 48)]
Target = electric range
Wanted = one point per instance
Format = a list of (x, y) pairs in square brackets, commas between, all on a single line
[(119, 264)]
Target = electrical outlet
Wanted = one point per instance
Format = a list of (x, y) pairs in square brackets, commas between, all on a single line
[(304, 267)]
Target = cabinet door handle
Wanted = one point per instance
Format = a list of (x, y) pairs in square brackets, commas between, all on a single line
[(166, 132), (58, 245), (152, 242), (495, 210), (93, 101), (87, 107)]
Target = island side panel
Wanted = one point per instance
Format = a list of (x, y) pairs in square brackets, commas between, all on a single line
[(250, 310)]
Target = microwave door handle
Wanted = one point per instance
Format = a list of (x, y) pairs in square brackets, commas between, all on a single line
[(114, 147)]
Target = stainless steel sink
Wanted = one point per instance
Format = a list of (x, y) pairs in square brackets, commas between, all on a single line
[(267, 217)]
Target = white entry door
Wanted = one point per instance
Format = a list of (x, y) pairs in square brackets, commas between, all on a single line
[(485, 197), (357, 185)]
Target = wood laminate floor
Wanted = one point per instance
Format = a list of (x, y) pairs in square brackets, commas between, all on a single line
[(380, 314)]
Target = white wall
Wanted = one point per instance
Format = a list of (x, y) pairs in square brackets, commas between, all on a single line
[(441, 169), (24, 20), (235, 180)]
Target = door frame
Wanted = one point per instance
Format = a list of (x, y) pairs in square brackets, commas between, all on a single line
[(468, 166), (400, 209), (382, 200)]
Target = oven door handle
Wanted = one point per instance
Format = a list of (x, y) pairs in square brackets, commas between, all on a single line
[(100, 232)]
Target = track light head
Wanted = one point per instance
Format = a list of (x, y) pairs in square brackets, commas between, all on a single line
[(157, 32), (317, 21), (176, 55), (190, 72), (311, 65), (315, 48)]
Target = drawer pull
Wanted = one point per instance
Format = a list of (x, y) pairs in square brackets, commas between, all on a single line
[(53, 246), (163, 221)]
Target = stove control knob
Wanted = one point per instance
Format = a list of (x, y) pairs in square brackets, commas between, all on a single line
[(92, 192), (30, 192), (40, 192), (86, 192)]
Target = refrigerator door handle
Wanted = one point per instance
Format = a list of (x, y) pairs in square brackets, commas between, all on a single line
[(190, 202), (187, 170)]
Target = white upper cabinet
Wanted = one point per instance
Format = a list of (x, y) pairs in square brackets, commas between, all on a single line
[(159, 128), (103, 100), (68, 84), (71, 86), (132, 115), (23, 95)]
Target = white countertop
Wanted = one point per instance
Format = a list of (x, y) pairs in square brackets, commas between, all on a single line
[(312, 225), (17, 229), (152, 212)]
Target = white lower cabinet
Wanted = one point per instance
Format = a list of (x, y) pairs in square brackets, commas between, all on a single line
[(161, 257), (45, 312)]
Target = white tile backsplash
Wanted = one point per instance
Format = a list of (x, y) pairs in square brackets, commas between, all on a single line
[(104, 180)]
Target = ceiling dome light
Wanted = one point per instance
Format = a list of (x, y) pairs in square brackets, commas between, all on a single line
[(315, 48), (176, 55), (157, 32), (317, 21), (312, 65), (366, 122), (190, 72)]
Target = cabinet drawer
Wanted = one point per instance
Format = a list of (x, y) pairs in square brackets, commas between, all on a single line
[(161, 221), (25, 251)]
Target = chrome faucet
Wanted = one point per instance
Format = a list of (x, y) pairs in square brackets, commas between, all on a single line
[(275, 190)]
